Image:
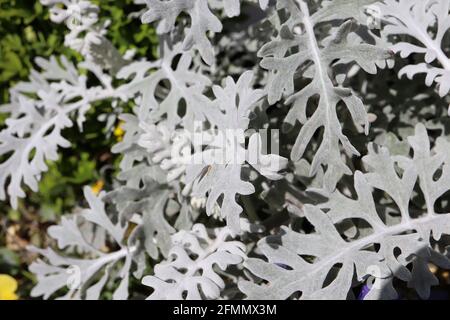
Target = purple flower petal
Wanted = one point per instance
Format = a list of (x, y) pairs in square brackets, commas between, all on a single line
[(364, 292)]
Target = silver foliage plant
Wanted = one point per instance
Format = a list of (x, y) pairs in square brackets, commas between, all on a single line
[(356, 196), (414, 19)]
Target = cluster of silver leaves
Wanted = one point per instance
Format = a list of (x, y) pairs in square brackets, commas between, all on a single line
[(357, 195)]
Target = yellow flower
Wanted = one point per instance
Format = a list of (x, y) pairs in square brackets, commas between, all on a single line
[(97, 187), (119, 132), (8, 287)]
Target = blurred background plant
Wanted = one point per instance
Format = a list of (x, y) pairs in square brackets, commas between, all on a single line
[(26, 32)]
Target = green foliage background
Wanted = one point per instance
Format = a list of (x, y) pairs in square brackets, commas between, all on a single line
[(26, 32)]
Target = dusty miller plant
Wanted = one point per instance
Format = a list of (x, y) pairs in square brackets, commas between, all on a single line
[(355, 193)]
